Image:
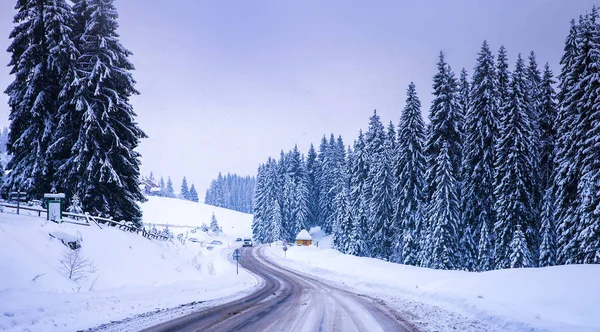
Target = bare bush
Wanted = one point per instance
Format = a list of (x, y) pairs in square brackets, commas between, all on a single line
[(197, 263), (211, 269), (75, 266)]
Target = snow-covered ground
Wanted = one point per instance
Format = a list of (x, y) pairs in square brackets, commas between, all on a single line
[(179, 213), (562, 298), (130, 275)]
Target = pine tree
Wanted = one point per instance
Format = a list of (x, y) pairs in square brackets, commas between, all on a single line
[(515, 183), (443, 240), (170, 190), (42, 62), (214, 225), (478, 167), (410, 174), (358, 201), (444, 125), (567, 159), (381, 204), (467, 246), (185, 192), (312, 173), (259, 217), (587, 132), (547, 233), (162, 186), (548, 115), (519, 253), (102, 165), (193, 194)]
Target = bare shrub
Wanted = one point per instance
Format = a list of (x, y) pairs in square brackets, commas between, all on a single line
[(211, 268), (75, 266)]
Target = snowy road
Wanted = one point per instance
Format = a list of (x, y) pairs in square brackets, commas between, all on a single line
[(289, 301)]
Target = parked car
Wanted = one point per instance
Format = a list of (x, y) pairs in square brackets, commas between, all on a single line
[(193, 239), (239, 239), (216, 242), (247, 243)]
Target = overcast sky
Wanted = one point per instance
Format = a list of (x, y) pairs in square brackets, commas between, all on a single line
[(225, 84)]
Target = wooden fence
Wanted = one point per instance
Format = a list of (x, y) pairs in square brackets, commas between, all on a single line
[(87, 220)]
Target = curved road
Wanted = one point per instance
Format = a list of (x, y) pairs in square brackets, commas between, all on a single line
[(290, 301)]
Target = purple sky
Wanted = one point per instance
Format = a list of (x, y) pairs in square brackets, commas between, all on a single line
[(225, 84)]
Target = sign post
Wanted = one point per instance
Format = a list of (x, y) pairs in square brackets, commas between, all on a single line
[(54, 207), (237, 256), (285, 250)]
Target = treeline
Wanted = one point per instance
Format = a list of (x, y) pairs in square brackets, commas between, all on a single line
[(162, 189), (505, 175), (231, 192), (72, 126)]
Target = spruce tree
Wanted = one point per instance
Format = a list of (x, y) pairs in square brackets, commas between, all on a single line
[(567, 158), (42, 62), (444, 125), (381, 204), (410, 174), (478, 164), (467, 246), (185, 192), (547, 232), (548, 115), (519, 253), (259, 217), (515, 183), (162, 186), (170, 190), (102, 165), (312, 173), (443, 241), (214, 225), (587, 132), (193, 194), (358, 201)]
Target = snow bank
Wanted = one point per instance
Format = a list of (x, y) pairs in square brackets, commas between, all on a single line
[(557, 298), (126, 273)]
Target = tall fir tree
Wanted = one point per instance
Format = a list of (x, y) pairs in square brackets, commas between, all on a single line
[(359, 173), (312, 174), (502, 76), (443, 243), (382, 204), (515, 182), (444, 123), (567, 159), (410, 174), (467, 246), (42, 62), (587, 131), (103, 165), (547, 119), (478, 165)]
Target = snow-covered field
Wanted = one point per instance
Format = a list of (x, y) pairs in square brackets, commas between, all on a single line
[(562, 298), (131, 274), (179, 213)]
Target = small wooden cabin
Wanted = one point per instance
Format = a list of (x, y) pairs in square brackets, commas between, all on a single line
[(303, 238)]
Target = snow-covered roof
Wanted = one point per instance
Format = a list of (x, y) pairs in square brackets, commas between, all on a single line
[(303, 235)]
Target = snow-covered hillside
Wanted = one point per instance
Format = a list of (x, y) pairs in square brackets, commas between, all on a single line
[(179, 213), (560, 298), (132, 275)]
